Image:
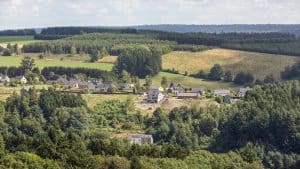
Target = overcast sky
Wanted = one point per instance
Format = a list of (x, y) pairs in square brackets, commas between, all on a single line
[(41, 13)]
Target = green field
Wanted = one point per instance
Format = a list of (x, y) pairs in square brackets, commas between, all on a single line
[(94, 99), (191, 82), (22, 40), (259, 64), (16, 60)]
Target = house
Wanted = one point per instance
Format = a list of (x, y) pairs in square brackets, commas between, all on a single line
[(222, 92), (155, 95), (176, 89), (4, 78), (126, 85), (21, 79), (242, 91), (188, 95), (198, 90), (91, 86), (141, 139), (103, 87), (62, 81), (83, 85), (227, 99), (135, 138)]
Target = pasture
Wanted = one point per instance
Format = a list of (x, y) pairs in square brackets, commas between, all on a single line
[(259, 64), (56, 61), (191, 82), (22, 40)]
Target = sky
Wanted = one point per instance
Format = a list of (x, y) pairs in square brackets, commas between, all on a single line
[(45, 13)]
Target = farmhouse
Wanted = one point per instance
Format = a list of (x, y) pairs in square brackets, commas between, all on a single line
[(176, 89), (222, 92), (155, 95), (135, 138), (242, 91), (126, 85), (188, 95), (21, 79), (141, 139)]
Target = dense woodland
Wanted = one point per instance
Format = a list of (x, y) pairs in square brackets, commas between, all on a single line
[(19, 32), (49, 129)]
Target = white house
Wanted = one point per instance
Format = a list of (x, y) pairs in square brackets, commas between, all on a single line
[(141, 139), (155, 95), (242, 91), (21, 79)]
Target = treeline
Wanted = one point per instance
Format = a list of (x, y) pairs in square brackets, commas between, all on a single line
[(51, 73), (80, 30), (87, 43), (291, 72), (274, 43), (19, 32)]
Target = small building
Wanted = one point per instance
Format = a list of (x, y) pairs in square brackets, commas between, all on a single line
[(83, 86), (4, 78), (198, 90), (62, 81), (242, 91), (227, 99), (155, 95), (126, 85), (176, 90), (103, 87), (188, 95), (222, 92), (141, 139), (21, 79)]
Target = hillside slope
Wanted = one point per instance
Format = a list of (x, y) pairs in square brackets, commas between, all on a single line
[(259, 64)]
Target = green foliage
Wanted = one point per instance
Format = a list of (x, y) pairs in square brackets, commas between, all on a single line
[(27, 64), (244, 78), (216, 72)]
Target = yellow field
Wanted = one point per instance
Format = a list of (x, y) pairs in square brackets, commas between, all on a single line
[(258, 64)]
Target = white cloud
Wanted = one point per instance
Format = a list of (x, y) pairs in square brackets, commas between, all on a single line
[(38, 13)]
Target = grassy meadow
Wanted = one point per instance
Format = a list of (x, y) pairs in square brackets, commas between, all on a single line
[(22, 40), (259, 64), (191, 82), (57, 61)]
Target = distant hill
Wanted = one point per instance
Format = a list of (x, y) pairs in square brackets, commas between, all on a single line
[(295, 28)]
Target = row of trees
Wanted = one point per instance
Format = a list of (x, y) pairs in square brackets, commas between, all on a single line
[(217, 73), (19, 32)]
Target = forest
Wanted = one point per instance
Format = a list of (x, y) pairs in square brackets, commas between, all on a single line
[(50, 129)]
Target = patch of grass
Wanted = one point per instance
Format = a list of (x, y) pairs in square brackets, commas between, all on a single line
[(22, 40), (191, 82), (259, 64), (41, 63), (94, 99)]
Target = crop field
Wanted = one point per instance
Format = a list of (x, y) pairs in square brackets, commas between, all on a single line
[(259, 64), (16, 60), (191, 82)]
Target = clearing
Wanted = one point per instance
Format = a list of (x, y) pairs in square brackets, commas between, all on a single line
[(57, 61), (259, 64), (187, 81)]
